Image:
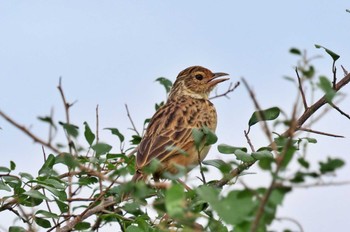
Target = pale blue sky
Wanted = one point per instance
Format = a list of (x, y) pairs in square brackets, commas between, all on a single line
[(110, 52)]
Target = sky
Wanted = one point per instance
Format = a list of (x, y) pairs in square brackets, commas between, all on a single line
[(109, 53)]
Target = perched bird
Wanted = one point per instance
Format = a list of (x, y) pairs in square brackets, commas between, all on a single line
[(168, 137)]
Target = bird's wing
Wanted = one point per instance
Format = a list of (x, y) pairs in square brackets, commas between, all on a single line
[(169, 133)]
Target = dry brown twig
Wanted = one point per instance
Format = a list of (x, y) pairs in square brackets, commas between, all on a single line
[(230, 89), (29, 133)]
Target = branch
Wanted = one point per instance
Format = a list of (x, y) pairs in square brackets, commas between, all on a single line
[(320, 132), (300, 121), (339, 110), (340, 183), (279, 162), (131, 121), (230, 89), (27, 132), (71, 224), (301, 89)]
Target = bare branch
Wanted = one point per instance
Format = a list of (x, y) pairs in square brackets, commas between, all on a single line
[(87, 213), (301, 89), (230, 89), (327, 184), (344, 70), (248, 141), (97, 126), (291, 220), (27, 132), (320, 132), (131, 121), (334, 70), (339, 110)]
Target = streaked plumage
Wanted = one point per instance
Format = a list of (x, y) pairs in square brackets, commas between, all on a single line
[(187, 107)]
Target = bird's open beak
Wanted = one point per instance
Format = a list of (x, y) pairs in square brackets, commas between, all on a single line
[(213, 81)]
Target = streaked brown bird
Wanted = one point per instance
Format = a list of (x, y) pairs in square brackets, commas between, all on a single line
[(187, 107)]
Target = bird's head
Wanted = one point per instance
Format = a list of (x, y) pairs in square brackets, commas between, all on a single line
[(196, 81)]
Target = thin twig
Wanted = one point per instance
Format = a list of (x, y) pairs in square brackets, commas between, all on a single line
[(70, 143), (291, 220), (344, 70), (97, 125), (260, 115), (201, 168), (248, 141), (340, 183), (320, 132), (339, 110), (131, 121), (66, 110), (334, 70), (230, 89), (301, 90), (317, 105), (27, 132)]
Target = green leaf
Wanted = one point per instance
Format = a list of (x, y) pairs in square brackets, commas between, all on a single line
[(82, 226), (49, 120), (264, 154), (116, 132), (288, 156), (12, 165), (89, 136), (67, 159), (17, 229), (88, 180), (133, 228), (46, 214), (12, 181), (136, 139), (327, 88), (219, 164), (295, 51), (210, 136), (101, 148), (70, 129), (198, 136), (243, 156), (42, 222), (35, 194), (265, 164), (4, 186), (277, 196), (334, 56), (62, 205), (166, 83), (309, 73), (47, 167), (331, 165), (243, 204), (310, 140), (227, 149), (264, 115), (4, 169), (303, 162), (175, 200)]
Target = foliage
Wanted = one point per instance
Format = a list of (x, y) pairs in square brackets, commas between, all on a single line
[(83, 187)]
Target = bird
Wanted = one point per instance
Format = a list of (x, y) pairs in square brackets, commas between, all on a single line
[(168, 137)]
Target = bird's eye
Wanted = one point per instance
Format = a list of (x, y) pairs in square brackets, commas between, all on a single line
[(199, 77)]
